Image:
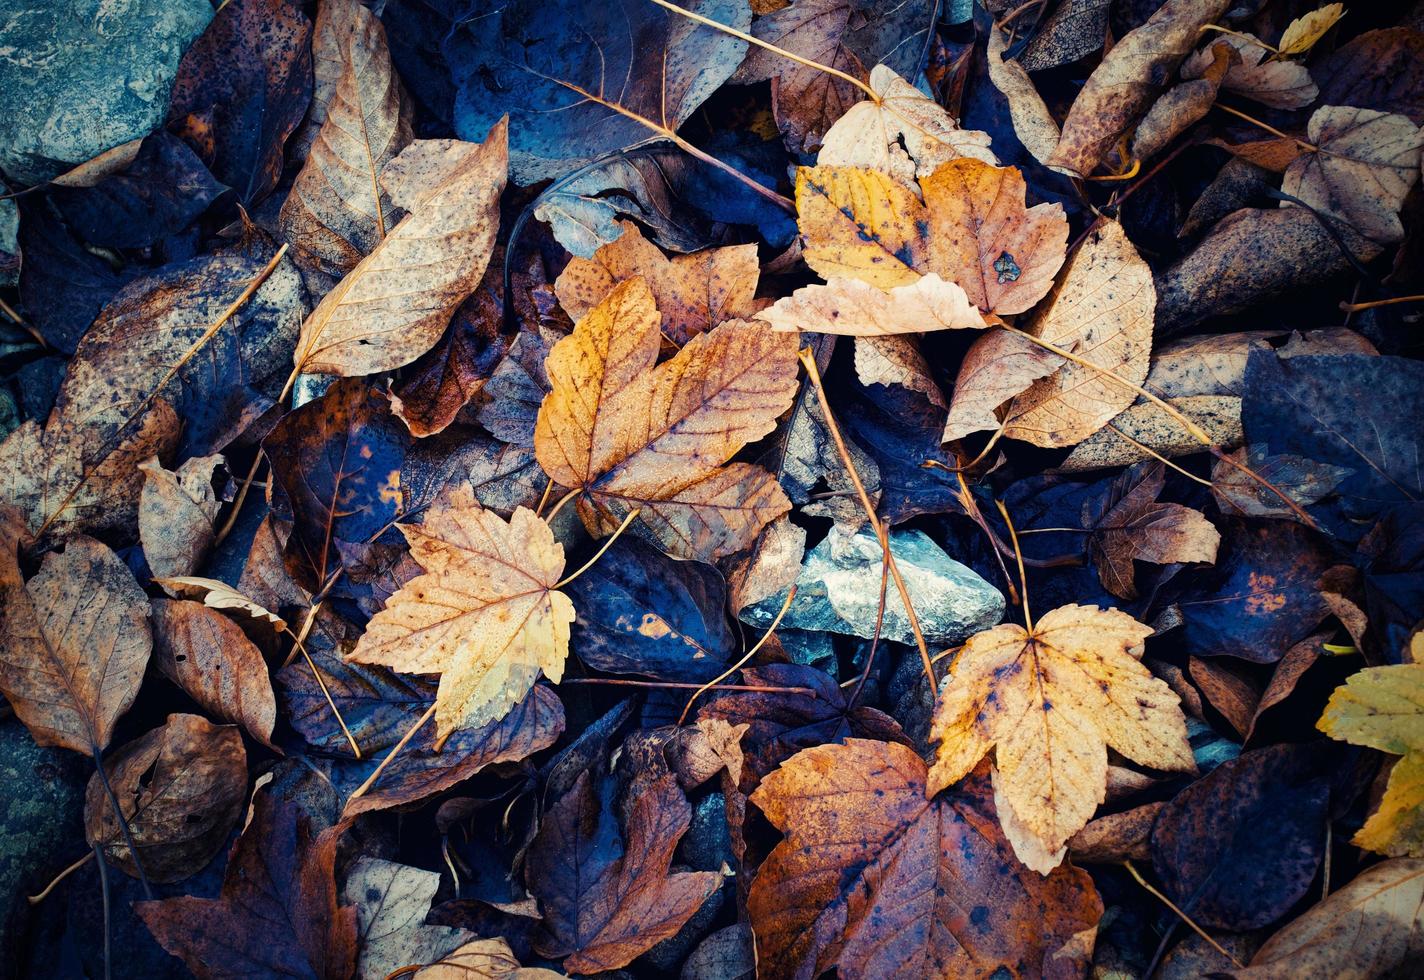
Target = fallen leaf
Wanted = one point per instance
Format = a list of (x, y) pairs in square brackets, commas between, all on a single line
[(208, 656), (1128, 80), (278, 912), (1227, 690), (905, 134), (1378, 70), (1302, 480), (998, 367), (336, 212), (176, 511), (1302, 33), (772, 566), (973, 229), (392, 901), (1185, 104), (1033, 124), (628, 434), (875, 879), (1383, 708), (1116, 837), (74, 645), (1371, 927), (1240, 846), (484, 959), (1077, 670), (1134, 526), (485, 616), (852, 308), (1277, 83), (1101, 310), (895, 360), (1363, 167), (606, 904), (182, 788), (579, 82), (219, 595), (394, 305), (241, 90), (694, 293)]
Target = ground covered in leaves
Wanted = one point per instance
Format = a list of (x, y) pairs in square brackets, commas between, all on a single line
[(711, 489)]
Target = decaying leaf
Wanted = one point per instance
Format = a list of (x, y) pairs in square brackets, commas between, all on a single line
[(997, 367), (176, 511), (1183, 105), (628, 434), (1101, 310), (396, 302), (75, 642), (182, 788), (392, 901), (1135, 526), (1302, 33), (854, 308), (484, 959), (219, 595), (973, 229), (1277, 83), (1383, 708), (1034, 125), (1050, 701), (878, 876), (485, 616)]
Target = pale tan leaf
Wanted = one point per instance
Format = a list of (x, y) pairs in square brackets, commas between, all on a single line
[(772, 566), (1368, 162), (896, 361), (219, 595), (693, 292), (853, 308), (997, 367), (1101, 310), (1050, 702), (484, 959), (1033, 124), (336, 212), (392, 901), (485, 616), (176, 511), (1278, 84), (1120, 442), (394, 305)]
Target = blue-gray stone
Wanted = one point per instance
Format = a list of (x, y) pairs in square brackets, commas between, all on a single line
[(838, 591), (83, 76), (810, 649)]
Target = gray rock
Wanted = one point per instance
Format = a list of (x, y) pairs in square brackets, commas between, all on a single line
[(9, 242), (838, 591), (81, 77), (41, 821), (809, 649), (707, 845)]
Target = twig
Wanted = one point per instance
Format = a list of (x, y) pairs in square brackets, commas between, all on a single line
[(1355, 307), (1018, 555), (376, 773), (1181, 915), (237, 503), (875, 636), (742, 662), (632, 515), (104, 894), (809, 361), (36, 899), (123, 822), (1268, 128), (1143, 447)]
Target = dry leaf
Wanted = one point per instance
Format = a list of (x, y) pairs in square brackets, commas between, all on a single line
[(1373, 927), (906, 134), (392, 901), (1301, 34), (693, 293), (176, 511), (1278, 84), (182, 788), (1128, 80), (973, 229), (1383, 708), (997, 367), (879, 877), (212, 660), (1033, 124), (1100, 310), (336, 212), (896, 361), (772, 566), (1181, 106), (484, 959), (219, 595), (1367, 162), (75, 643), (485, 615), (1076, 675), (394, 305), (1136, 527), (853, 308), (628, 434)]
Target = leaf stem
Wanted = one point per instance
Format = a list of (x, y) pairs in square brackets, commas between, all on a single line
[(808, 360), (1181, 915), (632, 515), (560, 505), (1249, 38), (1018, 556), (123, 822), (316, 674), (742, 662), (36, 899), (1356, 307), (104, 895), (621, 682), (1268, 128), (390, 756)]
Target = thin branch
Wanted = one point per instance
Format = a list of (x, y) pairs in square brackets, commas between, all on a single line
[(1018, 556), (1355, 307), (390, 756), (1181, 915), (36, 899), (675, 685), (123, 823), (742, 662), (632, 515)]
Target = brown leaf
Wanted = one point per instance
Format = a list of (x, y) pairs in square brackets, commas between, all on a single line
[(877, 880), (896, 361), (973, 229), (997, 367), (182, 788), (1101, 309), (853, 308), (1373, 927), (1182, 106), (1380, 70), (1116, 837), (1366, 163), (336, 212), (1230, 693), (484, 959), (1303, 480), (394, 305), (1219, 416), (906, 134), (628, 434), (1077, 676), (1128, 79), (219, 595), (605, 906), (1033, 124), (277, 914), (1277, 83), (1134, 526), (74, 645), (212, 660), (772, 566), (176, 511), (485, 616), (1289, 670), (694, 293)]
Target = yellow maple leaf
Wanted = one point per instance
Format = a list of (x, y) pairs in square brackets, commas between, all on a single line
[(1301, 34), (486, 615), (633, 434), (1383, 708), (973, 229), (1050, 700)]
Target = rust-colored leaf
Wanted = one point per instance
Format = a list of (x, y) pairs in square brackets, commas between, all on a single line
[(1135, 526)]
